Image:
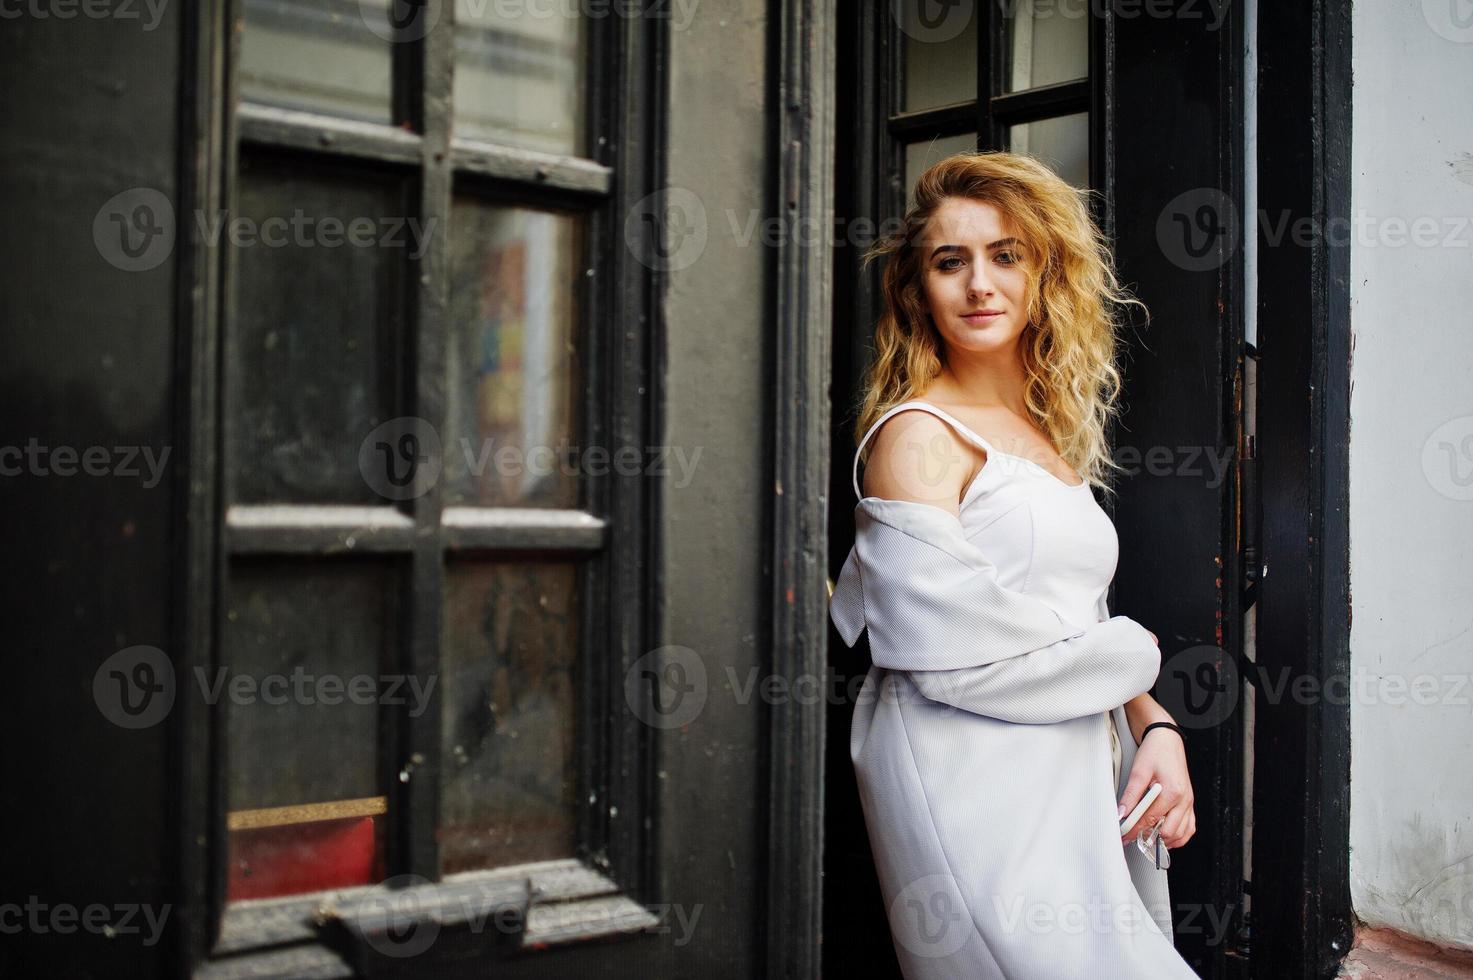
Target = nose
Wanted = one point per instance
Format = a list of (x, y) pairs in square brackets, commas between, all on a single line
[(980, 283)]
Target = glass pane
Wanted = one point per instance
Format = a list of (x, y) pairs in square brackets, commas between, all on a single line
[(321, 263), (507, 763), (940, 54), (919, 156), (305, 788), (322, 57), (515, 380), (1045, 42), (519, 74), (1062, 143)]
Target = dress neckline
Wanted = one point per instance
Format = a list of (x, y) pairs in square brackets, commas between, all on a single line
[(987, 446)]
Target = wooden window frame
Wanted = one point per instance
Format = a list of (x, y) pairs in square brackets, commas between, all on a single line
[(615, 533), (994, 109), (1302, 917), (1120, 172)]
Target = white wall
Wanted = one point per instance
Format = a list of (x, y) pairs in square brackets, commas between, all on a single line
[(1411, 502)]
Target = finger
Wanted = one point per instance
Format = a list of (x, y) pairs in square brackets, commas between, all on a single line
[(1135, 788), (1148, 819), (1142, 823), (1173, 825), (1155, 816), (1184, 828)]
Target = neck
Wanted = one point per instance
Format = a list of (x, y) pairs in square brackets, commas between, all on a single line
[(990, 379)]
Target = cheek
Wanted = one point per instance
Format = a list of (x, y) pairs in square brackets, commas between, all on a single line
[(1015, 282), (933, 289)]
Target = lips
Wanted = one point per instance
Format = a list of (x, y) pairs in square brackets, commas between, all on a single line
[(981, 316)]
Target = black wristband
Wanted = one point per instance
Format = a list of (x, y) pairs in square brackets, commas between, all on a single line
[(1161, 724)]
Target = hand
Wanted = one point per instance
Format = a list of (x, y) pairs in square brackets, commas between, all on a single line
[(1161, 758)]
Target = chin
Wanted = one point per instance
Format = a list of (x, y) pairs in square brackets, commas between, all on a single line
[(986, 340)]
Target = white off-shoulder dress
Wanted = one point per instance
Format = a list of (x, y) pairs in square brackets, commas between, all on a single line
[(996, 841)]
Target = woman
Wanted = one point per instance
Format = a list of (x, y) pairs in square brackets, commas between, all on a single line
[(1002, 733)]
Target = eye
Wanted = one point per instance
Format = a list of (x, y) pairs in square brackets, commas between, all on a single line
[(950, 258), (1007, 258)]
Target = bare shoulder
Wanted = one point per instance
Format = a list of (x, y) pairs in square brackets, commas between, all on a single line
[(918, 457)]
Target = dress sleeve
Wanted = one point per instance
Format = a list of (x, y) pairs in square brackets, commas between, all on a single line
[(933, 608), (1107, 665)]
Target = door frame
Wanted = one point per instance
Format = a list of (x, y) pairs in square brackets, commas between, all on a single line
[(802, 58), (1304, 925), (1303, 388)]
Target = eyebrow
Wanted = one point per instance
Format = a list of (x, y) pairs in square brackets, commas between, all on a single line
[(958, 248)]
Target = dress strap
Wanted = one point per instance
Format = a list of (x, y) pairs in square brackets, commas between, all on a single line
[(925, 407)]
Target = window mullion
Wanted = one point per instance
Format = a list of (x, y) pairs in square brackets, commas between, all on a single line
[(991, 37), (417, 767)]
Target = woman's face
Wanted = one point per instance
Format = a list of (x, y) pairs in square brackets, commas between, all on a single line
[(973, 278)]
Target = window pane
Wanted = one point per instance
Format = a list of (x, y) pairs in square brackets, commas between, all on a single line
[(305, 788), (515, 382), (317, 322), (507, 760), (1046, 42), (519, 74), (1062, 143), (920, 156), (324, 57), (940, 55)]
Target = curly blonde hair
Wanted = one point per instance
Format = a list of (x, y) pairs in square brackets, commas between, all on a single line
[(1068, 346)]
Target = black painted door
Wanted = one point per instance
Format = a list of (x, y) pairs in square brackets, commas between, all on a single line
[(1145, 109)]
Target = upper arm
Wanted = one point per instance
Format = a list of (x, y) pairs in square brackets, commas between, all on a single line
[(916, 456)]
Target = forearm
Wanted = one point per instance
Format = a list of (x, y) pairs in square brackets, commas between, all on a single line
[(1080, 676), (1141, 711)]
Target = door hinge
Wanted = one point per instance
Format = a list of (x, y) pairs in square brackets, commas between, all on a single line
[(1251, 523)]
